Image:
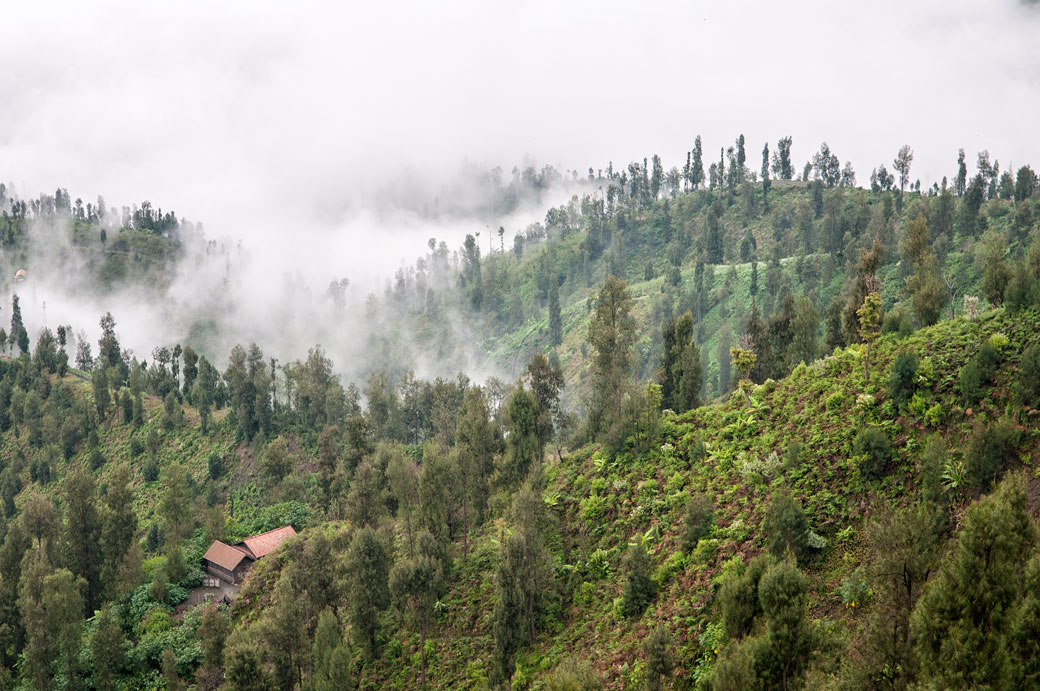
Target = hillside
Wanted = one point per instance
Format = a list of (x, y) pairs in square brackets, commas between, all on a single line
[(727, 504), (597, 505)]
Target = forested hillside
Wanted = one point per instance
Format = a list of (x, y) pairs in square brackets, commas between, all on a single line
[(750, 429)]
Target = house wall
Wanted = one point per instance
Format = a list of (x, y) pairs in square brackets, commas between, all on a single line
[(220, 572)]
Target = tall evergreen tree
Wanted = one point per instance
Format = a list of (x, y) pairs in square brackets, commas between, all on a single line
[(368, 568), (967, 619), (555, 321), (612, 336)]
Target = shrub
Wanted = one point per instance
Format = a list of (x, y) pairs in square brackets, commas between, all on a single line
[(855, 591), (793, 456), (697, 520), (972, 307), (987, 358), (738, 598), (136, 447), (875, 451), (990, 450), (97, 459), (969, 383), (216, 466), (901, 377), (150, 470), (786, 527), (640, 588), (1028, 385), (897, 322)]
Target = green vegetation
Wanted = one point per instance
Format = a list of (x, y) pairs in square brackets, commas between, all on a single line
[(591, 524)]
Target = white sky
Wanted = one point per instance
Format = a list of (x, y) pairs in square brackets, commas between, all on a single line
[(270, 120)]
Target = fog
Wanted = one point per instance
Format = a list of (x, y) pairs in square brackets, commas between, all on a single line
[(320, 138)]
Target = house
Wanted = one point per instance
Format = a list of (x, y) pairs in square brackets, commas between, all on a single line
[(231, 562), (20, 275), (259, 546), (226, 562)]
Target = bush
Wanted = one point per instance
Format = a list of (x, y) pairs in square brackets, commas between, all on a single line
[(97, 459), (738, 598), (639, 587), (1028, 385), (988, 358), (969, 383), (875, 451), (991, 449), (697, 520), (786, 527), (793, 456), (216, 466), (897, 322), (901, 384), (150, 470), (136, 447)]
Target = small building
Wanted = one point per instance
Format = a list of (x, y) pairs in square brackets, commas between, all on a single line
[(226, 562), (231, 562), (20, 275), (259, 546)]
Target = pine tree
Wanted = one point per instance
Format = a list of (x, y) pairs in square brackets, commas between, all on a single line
[(659, 660), (713, 243), (965, 622), (82, 533), (555, 321), (766, 182), (612, 336), (415, 585), (368, 568), (640, 588), (108, 649), (330, 658), (786, 527)]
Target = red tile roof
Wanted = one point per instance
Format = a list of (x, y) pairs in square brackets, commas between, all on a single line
[(225, 556), (263, 544)]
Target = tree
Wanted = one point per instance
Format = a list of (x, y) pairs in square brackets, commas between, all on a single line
[(368, 568), (640, 588), (961, 181), (82, 533), (902, 165), (16, 322), (1025, 184), (612, 335), (108, 345), (555, 322), (330, 658), (713, 243), (766, 183), (698, 518), (415, 585), (788, 643), (905, 547), (108, 648), (744, 359), (118, 528), (659, 661), (680, 373), (782, 167), (966, 621), (522, 583), (175, 502), (869, 326), (278, 460), (546, 379), (786, 527), (697, 165)]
